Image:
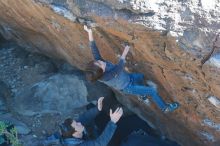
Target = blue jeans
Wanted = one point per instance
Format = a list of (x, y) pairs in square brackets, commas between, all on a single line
[(137, 87)]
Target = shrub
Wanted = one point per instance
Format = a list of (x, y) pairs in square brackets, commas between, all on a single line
[(8, 134)]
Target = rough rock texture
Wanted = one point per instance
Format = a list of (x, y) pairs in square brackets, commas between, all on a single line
[(57, 94), (5, 93), (185, 67)]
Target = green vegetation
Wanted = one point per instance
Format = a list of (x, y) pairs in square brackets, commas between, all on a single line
[(8, 134)]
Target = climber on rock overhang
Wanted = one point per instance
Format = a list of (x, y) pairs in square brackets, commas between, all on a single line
[(115, 77)]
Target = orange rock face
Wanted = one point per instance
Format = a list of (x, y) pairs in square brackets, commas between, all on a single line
[(180, 75)]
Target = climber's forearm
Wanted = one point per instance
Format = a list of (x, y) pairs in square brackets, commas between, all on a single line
[(90, 36), (125, 52)]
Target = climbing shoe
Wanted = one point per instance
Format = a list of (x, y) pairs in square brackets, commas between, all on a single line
[(144, 100), (171, 107), (147, 101)]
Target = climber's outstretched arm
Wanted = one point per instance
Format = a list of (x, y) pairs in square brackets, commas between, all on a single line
[(95, 51), (89, 31), (125, 52)]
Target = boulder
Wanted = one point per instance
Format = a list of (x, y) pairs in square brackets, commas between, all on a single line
[(57, 94)]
